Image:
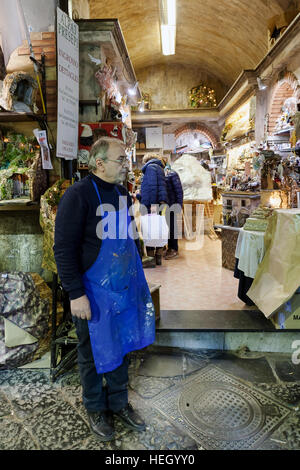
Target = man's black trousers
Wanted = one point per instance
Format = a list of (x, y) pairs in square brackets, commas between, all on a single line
[(172, 242), (96, 397)]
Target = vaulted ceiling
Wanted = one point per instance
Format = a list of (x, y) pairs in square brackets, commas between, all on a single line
[(221, 37)]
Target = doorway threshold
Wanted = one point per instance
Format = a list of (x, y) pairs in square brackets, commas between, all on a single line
[(215, 321)]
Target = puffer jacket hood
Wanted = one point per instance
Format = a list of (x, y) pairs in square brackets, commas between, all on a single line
[(151, 162)]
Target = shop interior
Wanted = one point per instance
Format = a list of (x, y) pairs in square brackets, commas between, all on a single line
[(225, 113)]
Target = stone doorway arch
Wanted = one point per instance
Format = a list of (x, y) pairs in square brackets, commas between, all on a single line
[(287, 87), (198, 127)]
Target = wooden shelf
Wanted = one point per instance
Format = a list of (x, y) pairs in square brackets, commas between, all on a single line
[(284, 131), (15, 206), (10, 116), (143, 151)]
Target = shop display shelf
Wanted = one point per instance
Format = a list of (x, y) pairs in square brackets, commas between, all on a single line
[(19, 205), (284, 131), (10, 116)]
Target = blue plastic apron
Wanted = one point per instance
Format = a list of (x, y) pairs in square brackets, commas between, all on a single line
[(123, 315)]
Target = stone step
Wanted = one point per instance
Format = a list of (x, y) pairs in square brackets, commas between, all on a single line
[(214, 320), (222, 330)]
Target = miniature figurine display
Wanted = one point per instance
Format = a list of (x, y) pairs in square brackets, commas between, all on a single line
[(288, 110), (21, 173), (19, 93)]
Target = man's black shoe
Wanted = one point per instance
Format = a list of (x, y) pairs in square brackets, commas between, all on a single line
[(131, 418), (101, 425)]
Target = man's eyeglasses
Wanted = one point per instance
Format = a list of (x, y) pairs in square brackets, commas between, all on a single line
[(121, 160)]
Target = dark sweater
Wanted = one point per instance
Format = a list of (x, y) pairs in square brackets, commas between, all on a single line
[(76, 245)]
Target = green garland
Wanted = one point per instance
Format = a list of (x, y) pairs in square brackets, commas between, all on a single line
[(202, 96), (17, 151), (53, 195)]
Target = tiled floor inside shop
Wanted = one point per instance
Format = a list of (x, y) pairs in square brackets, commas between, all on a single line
[(196, 280), (189, 400)]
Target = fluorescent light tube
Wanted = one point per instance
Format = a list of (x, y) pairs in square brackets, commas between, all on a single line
[(168, 12), (171, 12), (168, 39)]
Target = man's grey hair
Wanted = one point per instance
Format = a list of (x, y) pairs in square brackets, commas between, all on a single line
[(100, 149)]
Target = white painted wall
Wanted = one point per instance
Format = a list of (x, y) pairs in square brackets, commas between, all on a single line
[(40, 14), (81, 8)]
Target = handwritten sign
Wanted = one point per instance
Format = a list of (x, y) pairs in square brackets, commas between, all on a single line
[(68, 86)]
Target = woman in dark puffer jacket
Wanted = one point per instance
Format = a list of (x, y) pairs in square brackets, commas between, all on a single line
[(153, 191)]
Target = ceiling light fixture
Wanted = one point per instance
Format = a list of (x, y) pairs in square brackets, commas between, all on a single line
[(168, 26), (261, 85)]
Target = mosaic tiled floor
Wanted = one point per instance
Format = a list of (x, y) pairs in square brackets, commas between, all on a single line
[(264, 412)]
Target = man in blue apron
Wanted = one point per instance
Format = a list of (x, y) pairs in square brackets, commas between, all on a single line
[(97, 255)]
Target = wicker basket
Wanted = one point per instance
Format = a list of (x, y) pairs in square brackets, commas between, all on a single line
[(229, 240), (37, 179)]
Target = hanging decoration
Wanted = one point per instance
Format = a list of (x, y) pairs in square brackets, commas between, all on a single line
[(202, 96), (105, 78)]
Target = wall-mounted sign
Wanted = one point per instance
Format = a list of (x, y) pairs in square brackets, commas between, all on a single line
[(68, 86), (169, 142), (154, 138)]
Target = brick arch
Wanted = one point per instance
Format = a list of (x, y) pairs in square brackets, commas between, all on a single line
[(287, 87), (188, 128)]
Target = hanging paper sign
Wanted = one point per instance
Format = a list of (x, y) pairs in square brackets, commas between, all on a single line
[(68, 86), (169, 141), (41, 137)]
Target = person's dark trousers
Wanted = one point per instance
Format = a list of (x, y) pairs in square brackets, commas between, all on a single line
[(114, 396), (172, 242)]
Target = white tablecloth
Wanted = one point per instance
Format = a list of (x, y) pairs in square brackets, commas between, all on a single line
[(249, 251)]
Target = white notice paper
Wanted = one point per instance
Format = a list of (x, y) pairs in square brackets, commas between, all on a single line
[(68, 86), (169, 142), (41, 137), (154, 138)]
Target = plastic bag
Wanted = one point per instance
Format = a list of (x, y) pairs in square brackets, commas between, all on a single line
[(155, 230)]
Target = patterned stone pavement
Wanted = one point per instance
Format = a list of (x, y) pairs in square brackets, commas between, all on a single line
[(37, 414)]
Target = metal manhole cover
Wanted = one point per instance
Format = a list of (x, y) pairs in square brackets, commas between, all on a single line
[(220, 411)]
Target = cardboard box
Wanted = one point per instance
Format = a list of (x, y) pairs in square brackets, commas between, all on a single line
[(287, 317)]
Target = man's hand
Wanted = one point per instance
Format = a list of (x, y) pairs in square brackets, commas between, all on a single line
[(81, 308)]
